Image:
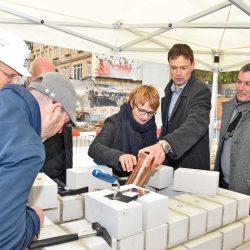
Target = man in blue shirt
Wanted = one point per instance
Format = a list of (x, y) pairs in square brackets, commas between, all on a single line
[(25, 118), (185, 108)]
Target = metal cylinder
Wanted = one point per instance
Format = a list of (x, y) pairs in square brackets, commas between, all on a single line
[(142, 170)]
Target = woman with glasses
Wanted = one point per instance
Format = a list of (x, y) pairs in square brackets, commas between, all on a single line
[(127, 131)]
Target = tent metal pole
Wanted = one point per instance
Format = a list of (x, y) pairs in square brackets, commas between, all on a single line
[(38, 21), (188, 19), (214, 101), (241, 5)]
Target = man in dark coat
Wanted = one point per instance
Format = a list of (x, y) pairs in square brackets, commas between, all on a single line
[(184, 138)]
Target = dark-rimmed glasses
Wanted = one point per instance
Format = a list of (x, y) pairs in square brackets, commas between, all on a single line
[(143, 112)]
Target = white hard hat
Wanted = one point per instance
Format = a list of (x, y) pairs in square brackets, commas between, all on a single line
[(14, 52)]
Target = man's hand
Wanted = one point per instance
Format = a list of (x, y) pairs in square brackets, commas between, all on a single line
[(40, 214), (155, 151), (128, 162)]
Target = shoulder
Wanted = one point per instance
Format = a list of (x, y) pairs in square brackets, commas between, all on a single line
[(228, 104), (200, 85), (114, 118)]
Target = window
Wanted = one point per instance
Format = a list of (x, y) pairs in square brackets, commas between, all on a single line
[(77, 71), (56, 51), (88, 68)]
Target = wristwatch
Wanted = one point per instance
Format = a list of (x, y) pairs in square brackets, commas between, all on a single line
[(165, 146)]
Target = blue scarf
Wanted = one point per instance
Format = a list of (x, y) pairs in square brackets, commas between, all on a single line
[(31, 105), (130, 125)]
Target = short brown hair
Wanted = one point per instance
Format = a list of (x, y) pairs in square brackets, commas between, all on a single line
[(143, 94), (245, 68), (181, 50)]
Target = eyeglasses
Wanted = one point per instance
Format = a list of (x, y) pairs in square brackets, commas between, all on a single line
[(143, 112), (13, 77), (52, 96), (246, 83)]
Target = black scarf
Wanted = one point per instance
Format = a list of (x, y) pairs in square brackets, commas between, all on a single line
[(130, 125)]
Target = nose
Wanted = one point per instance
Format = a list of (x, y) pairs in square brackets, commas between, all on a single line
[(241, 86), (146, 117), (178, 71)]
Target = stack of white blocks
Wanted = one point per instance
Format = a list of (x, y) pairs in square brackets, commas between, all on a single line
[(132, 223), (65, 208), (80, 177), (195, 221), (43, 193), (225, 227)]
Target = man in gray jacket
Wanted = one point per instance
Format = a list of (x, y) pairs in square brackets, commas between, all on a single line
[(233, 158)]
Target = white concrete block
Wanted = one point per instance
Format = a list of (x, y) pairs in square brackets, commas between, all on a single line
[(150, 188), (196, 181), (133, 242), (83, 227), (181, 247), (80, 227), (210, 241), (82, 177), (48, 231), (246, 222), (177, 228), (232, 235), (156, 238), (243, 201), (229, 207), (154, 210), (170, 192), (72, 207), (154, 206), (43, 192), (121, 219), (245, 246), (47, 222), (161, 177), (53, 213), (197, 217), (214, 210)]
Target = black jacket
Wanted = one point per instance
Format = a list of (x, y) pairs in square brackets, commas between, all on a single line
[(106, 146), (188, 126), (59, 155)]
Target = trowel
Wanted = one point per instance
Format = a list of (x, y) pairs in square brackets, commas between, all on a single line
[(126, 196)]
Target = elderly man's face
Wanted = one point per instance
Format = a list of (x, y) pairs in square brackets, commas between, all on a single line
[(53, 120), (8, 75), (243, 87)]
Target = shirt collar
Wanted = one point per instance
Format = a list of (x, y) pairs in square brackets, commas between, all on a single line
[(174, 88)]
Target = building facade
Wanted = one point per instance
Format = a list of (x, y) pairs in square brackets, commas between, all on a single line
[(75, 64)]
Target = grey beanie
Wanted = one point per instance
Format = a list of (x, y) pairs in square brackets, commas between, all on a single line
[(58, 88)]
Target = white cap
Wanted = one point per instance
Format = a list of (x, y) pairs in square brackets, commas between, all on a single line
[(14, 52)]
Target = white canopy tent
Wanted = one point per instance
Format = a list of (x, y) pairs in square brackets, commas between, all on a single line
[(218, 31)]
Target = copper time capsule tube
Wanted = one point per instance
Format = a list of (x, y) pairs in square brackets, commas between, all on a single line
[(142, 170)]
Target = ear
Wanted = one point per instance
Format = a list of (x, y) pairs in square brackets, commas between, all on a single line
[(131, 104), (56, 107), (193, 65)]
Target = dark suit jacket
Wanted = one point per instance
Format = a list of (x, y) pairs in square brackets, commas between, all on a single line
[(188, 126)]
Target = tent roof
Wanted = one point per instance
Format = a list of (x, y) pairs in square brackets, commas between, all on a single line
[(139, 29)]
